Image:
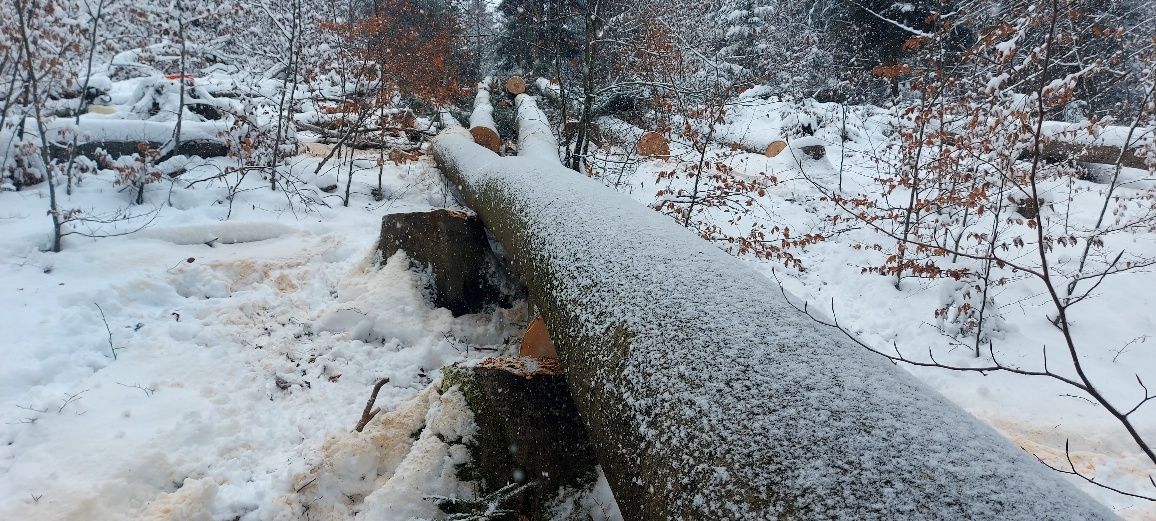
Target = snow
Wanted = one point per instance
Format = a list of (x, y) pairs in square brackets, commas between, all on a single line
[(717, 358), (483, 114), (242, 363), (535, 139)]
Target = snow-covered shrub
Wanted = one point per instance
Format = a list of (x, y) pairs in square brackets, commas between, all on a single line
[(969, 312), (136, 170)]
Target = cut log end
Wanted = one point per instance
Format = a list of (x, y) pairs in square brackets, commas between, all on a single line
[(516, 85), (486, 137), (652, 144), (536, 340), (775, 148)]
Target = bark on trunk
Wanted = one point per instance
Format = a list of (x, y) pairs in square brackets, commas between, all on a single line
[(528, 431)]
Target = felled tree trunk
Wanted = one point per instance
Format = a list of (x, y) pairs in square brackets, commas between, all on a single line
[(192, 147), (707, 396), (528, 430), (465, 276), (1057, 151)]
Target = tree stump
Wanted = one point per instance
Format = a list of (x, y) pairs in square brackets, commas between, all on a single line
[(486, 137), (516, 85), (775, 147), (465, 275), (528, 430), (652, 144)]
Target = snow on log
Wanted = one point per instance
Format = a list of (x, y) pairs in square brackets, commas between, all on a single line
[(1073, 142), (447, 119), (617, 131), (482, 125), (120, 137), (707, 396), (516, 85), (535, 139), (549, 89)]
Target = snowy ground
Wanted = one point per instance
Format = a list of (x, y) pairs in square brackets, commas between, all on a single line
[(240, 369)]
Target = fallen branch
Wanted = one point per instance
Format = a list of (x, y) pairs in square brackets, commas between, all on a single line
[(370, 411)]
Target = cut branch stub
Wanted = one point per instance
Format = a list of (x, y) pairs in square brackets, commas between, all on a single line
[(652, 144), (516, 85)]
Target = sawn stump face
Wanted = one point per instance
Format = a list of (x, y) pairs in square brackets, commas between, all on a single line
[(453, 246)]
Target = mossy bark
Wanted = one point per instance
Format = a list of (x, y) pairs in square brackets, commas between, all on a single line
[(528, 431)]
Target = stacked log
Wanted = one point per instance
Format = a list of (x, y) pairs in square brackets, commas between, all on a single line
[(516, 85), (482, 126)]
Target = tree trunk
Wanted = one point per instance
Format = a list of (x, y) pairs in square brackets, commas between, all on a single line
[(707, 396)]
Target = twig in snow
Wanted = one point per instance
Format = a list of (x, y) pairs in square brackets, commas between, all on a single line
[(147, 390), (307, 483), (369, 411), (70, 397), (106, 328), (1090, 479)]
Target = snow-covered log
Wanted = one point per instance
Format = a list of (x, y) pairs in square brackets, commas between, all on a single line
[(535, 138), (1073, 141), (447, 119), (707, 396), (482, 125), (119, 137)]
